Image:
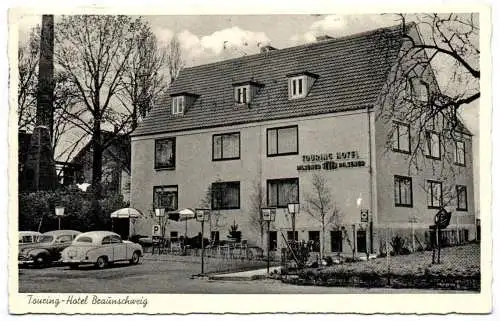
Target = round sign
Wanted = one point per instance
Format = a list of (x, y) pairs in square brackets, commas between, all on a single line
[(364, 215)]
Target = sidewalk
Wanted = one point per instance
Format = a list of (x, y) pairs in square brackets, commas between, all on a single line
[(243, 276)]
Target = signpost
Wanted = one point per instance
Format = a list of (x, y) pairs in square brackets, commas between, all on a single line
[(269, 215), (293, 209), (59, 214), (201, 216), (159, 237)]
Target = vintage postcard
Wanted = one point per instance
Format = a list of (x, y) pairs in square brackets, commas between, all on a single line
[(223, 155)]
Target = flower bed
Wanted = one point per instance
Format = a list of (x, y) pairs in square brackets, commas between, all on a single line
[(459, 270)]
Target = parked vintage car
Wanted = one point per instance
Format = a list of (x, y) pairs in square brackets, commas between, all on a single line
[(47, 249), (28, 237), (101, 248)]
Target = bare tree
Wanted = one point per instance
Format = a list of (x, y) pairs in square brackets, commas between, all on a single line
[(319, 204), (64, 96), (28, 56), (434, 76), (257, 202), (144, 79), (174, 59), (95, 51)]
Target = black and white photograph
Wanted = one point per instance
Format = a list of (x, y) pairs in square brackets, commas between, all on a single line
[(279, 153)]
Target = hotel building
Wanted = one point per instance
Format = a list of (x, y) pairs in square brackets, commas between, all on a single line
[(254, 131)]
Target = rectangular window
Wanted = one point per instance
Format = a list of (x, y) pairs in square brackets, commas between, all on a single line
[(314, 241), (174, 236), (177, 105), (273, 240), (361, 241), (461, 198), (289, 235), (336, 241), (226, 146), (165, 197), (403, 191), (460, 153), (434, 194), (225, 195), (280, 192), (241, 94), (282, 141), (296, 87), (165, 153), (214, 236), (401, 138), (432, 145)]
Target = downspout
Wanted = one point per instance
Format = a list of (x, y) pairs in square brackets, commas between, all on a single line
[(370, 172)]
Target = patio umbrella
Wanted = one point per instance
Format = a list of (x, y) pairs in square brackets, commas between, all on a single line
[(127, 212), (184, 214)]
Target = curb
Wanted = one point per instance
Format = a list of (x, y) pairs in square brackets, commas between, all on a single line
[(237, 278)]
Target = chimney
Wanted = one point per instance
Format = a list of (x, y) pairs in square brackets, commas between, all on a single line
[(323, 38), (267, 48)]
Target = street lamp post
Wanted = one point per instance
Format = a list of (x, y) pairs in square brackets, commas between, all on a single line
[(59, 214), (160, 212), (268, 215), (293, 209), (201, 216)]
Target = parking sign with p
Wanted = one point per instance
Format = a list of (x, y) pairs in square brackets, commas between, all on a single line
[(156, 230)]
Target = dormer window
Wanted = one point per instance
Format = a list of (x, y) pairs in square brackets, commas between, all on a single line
[(178, 103), (182, 101), (244, 92), (300, 84), (241, 94), (297, 87)]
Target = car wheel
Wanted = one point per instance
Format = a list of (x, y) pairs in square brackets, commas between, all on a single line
[(135, 258), (73, 266), (102, 262), (41, 260)]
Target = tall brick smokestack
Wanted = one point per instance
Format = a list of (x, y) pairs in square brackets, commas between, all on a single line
[(39, 172), (45, 93)]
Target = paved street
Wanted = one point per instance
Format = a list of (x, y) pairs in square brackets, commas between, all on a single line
[(160, 277)]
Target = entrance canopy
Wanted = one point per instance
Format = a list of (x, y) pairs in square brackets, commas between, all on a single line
[(127, 212)]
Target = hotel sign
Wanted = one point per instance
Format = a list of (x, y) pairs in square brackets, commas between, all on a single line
[(331, 161)]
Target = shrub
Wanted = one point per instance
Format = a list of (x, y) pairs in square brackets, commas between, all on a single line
[(398, 246), (81, 212)]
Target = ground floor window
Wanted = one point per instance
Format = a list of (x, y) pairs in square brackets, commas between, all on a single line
[(174, 236), (361, 241), (289, 235), (273, 240), (314, 241), (225, 195), (403, 194), (165, 197), (336, 240), (434, 194), (280, 192)]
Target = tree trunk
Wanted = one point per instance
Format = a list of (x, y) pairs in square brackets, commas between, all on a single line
[(322, 242), (97, 159)]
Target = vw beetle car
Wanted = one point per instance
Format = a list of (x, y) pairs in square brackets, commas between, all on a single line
[(101, 248), (47, 249)]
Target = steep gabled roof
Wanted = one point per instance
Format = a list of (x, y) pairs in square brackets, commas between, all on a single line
[(351, 72)]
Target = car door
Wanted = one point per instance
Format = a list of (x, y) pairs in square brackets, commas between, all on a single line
[(60, 243), (119, 248)]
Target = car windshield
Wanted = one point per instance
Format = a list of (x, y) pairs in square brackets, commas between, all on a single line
[(84, 239), (45, 239)]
